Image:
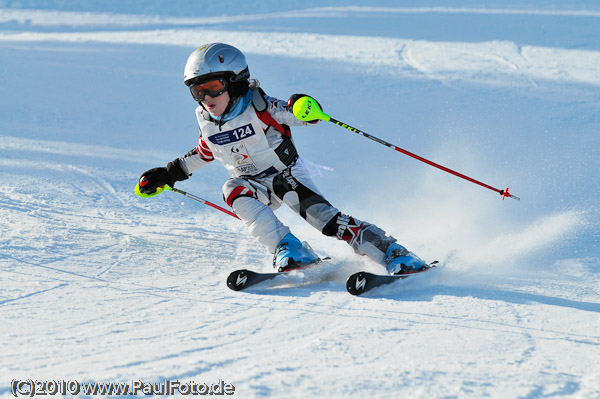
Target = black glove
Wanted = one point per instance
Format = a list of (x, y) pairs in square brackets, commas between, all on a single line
[(158, 177), (295, 97)]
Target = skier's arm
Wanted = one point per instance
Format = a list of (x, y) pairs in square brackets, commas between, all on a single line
[(197, 158), (177, 170)]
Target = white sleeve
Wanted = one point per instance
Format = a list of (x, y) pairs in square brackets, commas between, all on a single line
[(197, 158), (280, 112)]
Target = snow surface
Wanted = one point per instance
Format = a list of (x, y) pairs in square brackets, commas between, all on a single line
[(100, 285)]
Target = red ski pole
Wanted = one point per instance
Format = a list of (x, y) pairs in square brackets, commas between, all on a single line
[(307, 109), (192, 196), (203, 201)]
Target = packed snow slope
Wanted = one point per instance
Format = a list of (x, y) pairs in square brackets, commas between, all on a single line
[(98, 285)]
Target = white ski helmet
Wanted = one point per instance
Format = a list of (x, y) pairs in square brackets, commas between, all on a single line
[(218, 60)]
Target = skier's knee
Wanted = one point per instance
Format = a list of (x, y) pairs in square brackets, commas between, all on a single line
[(236, 188)]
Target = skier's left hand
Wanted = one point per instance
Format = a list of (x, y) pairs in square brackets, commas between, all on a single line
[(296, 97)]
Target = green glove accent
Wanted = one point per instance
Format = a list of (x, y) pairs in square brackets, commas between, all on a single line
[(307, 109), (158, 191)]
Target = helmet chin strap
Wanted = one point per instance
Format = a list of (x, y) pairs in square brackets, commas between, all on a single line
[(229, 105), (221, 121)]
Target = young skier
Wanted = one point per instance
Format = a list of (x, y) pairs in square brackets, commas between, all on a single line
[(248, 132)]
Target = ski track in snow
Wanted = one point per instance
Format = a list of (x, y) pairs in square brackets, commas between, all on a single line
[(101, 19), (443, 61), (99, 285)]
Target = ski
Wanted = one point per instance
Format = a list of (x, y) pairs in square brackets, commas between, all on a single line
[(241, 279), (361, 282)]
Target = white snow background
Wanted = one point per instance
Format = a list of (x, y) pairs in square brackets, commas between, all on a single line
[(98, 285)]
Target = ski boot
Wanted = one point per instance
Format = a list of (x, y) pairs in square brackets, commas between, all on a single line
[(292, 254), (399, 260)]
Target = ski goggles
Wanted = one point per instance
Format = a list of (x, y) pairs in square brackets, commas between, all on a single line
[(213, 88)]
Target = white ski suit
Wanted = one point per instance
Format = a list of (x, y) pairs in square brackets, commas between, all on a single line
[(257, 149)]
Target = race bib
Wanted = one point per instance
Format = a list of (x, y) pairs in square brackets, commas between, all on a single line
[(231, 136)]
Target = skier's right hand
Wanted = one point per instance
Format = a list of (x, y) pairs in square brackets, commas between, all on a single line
[(154, 178)]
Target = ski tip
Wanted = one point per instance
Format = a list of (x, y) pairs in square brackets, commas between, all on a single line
[(237, 280), (356, 283)]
